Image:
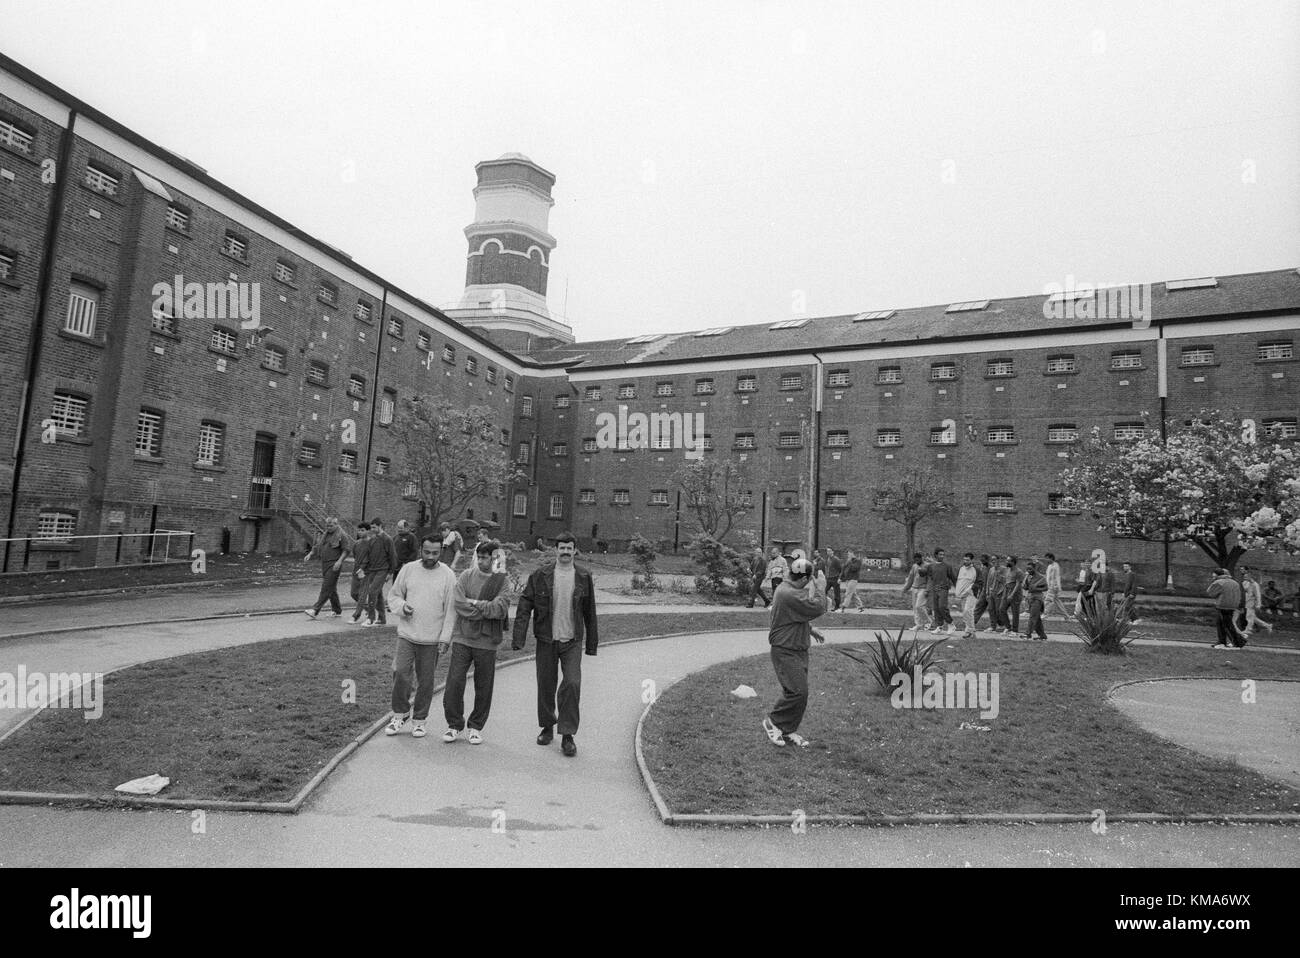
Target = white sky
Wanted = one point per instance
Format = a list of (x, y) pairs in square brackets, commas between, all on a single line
[(719, 162)]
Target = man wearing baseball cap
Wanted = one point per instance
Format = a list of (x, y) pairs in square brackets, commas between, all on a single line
[(794, 606)]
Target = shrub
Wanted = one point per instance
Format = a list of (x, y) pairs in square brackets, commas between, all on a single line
[(722, 567), (894, 658), (643, 557), (1103, 628)]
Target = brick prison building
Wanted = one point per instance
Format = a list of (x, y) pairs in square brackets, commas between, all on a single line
[(128, 417)]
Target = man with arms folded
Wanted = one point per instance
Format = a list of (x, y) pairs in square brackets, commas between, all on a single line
[(423, 599), (482, 610)]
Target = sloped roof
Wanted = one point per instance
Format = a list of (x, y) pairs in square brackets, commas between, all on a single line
[(1277, 290)]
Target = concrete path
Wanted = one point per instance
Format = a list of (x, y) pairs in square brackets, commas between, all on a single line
[(420, 802), (1210, 717)]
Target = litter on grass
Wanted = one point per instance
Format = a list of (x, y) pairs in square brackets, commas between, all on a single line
[(743, 692), (149, 785), (972, 727)]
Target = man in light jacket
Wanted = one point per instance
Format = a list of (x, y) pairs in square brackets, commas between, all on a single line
[(967, 577), (1227, 596), (423, 599)]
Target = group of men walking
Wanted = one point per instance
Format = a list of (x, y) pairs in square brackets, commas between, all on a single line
[(438, 611)]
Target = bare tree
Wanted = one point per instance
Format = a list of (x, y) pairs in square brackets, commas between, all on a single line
[(452, 455), (917, 495), (717, 491)]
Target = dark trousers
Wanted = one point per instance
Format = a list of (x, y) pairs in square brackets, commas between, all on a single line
[(551, 657), (982, 606), (358, 594), (1009, 614), (373, 595), (1036, 617), (791, 667), (757, 586), (833, 587), (418, 662), (776, 580), (329, 589), (1228, 634), (939, 608), (453, 696)]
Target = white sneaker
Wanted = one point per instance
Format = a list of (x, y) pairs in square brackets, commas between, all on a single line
[(369, 623), (310, 613), (794, 738), (450, 735), (950, 630), (419, 731), (333, 615), (773, 733), (475, 737), (396, 725)]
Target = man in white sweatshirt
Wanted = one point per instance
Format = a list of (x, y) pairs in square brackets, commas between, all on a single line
[(965, 595), (423, 600)]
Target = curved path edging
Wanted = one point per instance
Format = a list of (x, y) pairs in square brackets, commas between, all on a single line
[(669, 817)]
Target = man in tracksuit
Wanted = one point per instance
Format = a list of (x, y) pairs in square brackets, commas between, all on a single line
[(482, 611), (1013, 592), (381, 562), (942, 580), (794, 606), (560, 600), (1035, 587)]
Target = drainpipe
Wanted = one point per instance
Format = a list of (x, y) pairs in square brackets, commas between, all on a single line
[(1162, 381), (374, 400), (815, 458), (46, 280)]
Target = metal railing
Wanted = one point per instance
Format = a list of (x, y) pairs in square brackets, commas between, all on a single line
[(299, 501), (53, 552)]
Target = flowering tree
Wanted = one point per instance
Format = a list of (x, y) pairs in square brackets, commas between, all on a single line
[(916, 495), (1209, 483), (717, 493), (1279, 520)]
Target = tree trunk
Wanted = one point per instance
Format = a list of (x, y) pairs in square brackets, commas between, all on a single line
[(910, 528)]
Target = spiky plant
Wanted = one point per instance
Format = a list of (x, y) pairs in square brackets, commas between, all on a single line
[(894, 658), (1104, 628)]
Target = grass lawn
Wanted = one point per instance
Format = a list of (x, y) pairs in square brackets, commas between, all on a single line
[(249, 723), (1056, 746)]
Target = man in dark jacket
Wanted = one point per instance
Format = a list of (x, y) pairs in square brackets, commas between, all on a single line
[(560, 600), (834, 569), (757, 572), (381, 562), (1227, 596), (795, 604), (405, 545), (942, 579), (331, 547), (1035, 588)]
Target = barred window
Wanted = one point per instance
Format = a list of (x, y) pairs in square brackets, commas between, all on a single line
[(943, 435), (273, 357), (889, 374), (327, 293), (357, 387), (423, 341), (840, 377), (746, 384), (792, 381), (387, 405), (746, 440), (1125, 431), (1198, 356), (663, 389), (706, 442), (178, 217), (1063, 432), (1057, 502), (559, 449), (1001, 434), (662, 439), (310, 452), (1128, 360), (8, 261), (318, 372), (13, 135), (587, 497), (526, 406), (383, 466), (101, 181), (223, 340), (490, 374), (163, 322), (627, 391), (889, 437), (69, 414), (348, 460), (505, 437), (561, 402), (658, 497), (837, 499), (212, 437), (1001, 502), (745, 497), (1280, 428), (235, 246), (520, 504), (943, 371), (703, 387), (837, 437), (1061, 364), (509, 384), (522, 453), (411, 490), (591, 393), (589, 445), (83, 305), (448, 353), (557, 505), (395, 326), (364, 311), (56, 525), (788, 440), (1278, 350), (1124, 525), (1000, 367), (622, 497), (148, 434), (471, 365), (284, 272)]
